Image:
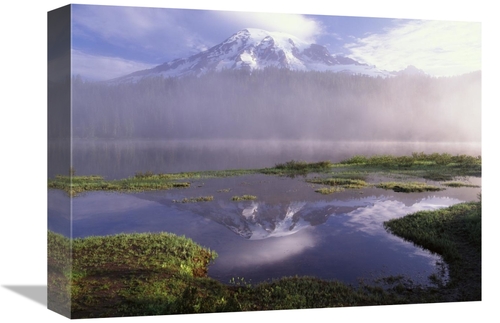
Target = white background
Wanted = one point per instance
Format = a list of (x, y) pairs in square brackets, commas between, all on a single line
[(23, 156)]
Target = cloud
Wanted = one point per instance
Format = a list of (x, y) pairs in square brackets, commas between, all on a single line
[(98, 68), (298, 25), (440, 48)]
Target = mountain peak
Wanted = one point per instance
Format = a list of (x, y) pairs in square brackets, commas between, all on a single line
[(252, 48)]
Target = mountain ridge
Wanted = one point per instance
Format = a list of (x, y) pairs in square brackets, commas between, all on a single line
[(250, 49)]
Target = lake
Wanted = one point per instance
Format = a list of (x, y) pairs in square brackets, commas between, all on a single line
[(123, 158), (288, 230)]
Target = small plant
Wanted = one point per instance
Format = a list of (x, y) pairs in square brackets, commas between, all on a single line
[(459, 184), (195, 199), (244, 198), (293, 168), (346, 183), (329, 190), (239, 282), (408, 187), (356, 160), (148, 174)]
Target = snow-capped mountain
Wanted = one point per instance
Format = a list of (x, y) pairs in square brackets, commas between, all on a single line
[(260, 220), (251, 49)]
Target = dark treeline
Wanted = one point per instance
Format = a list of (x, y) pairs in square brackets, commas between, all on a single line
[(281, 104)]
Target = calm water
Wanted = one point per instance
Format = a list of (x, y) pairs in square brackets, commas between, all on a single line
[(123, 158), (289, 230)]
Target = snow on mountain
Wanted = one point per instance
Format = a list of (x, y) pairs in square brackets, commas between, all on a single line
[(251, 49), (260, 220)]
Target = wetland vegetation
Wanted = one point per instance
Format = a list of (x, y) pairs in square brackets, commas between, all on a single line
[(154, 274), (244, 198), (161, 273), (349, 173), (195, 199), (408, 187)]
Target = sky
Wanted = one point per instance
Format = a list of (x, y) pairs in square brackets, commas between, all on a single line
[(111, 41)]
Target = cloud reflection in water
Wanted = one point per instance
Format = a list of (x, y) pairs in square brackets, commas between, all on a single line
[(370, 219), (250, 254)]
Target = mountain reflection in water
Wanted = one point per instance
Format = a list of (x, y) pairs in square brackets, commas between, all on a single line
[(288, 230)]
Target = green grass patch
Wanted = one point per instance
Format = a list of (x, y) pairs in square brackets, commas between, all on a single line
[(294, 165), (129, 274), (459, 184), (297, 168), (329, 190), (195, 199), (454, 233), (244, 198), (196, 175), (440, 230), (58, 273), (415, 159), (74, 185), (339, 183), (435, 166), (346, 183), (408, 187)]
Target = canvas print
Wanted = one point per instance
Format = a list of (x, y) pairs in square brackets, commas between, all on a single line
[(207, 161)]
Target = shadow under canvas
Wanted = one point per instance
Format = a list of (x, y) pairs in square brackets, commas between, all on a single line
[(36, 293)]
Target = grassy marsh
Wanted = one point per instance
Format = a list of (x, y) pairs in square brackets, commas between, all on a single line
[(329, 190), (349, 173), (459, 184), (157, 274), (151, 274), (297, 168), (408, 187), (195, 199), (435, 166), (147, 181), (74, 185), (244, 198), (455, 234), (124, 274), (339, 182)]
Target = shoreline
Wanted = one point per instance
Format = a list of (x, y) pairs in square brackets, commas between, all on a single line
[(102, 287)]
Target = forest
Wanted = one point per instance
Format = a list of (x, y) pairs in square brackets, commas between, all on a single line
[(281, 104)]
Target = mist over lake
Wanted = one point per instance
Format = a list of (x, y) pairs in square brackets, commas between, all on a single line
[(237, 119), (116, 159), (279, 104)]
